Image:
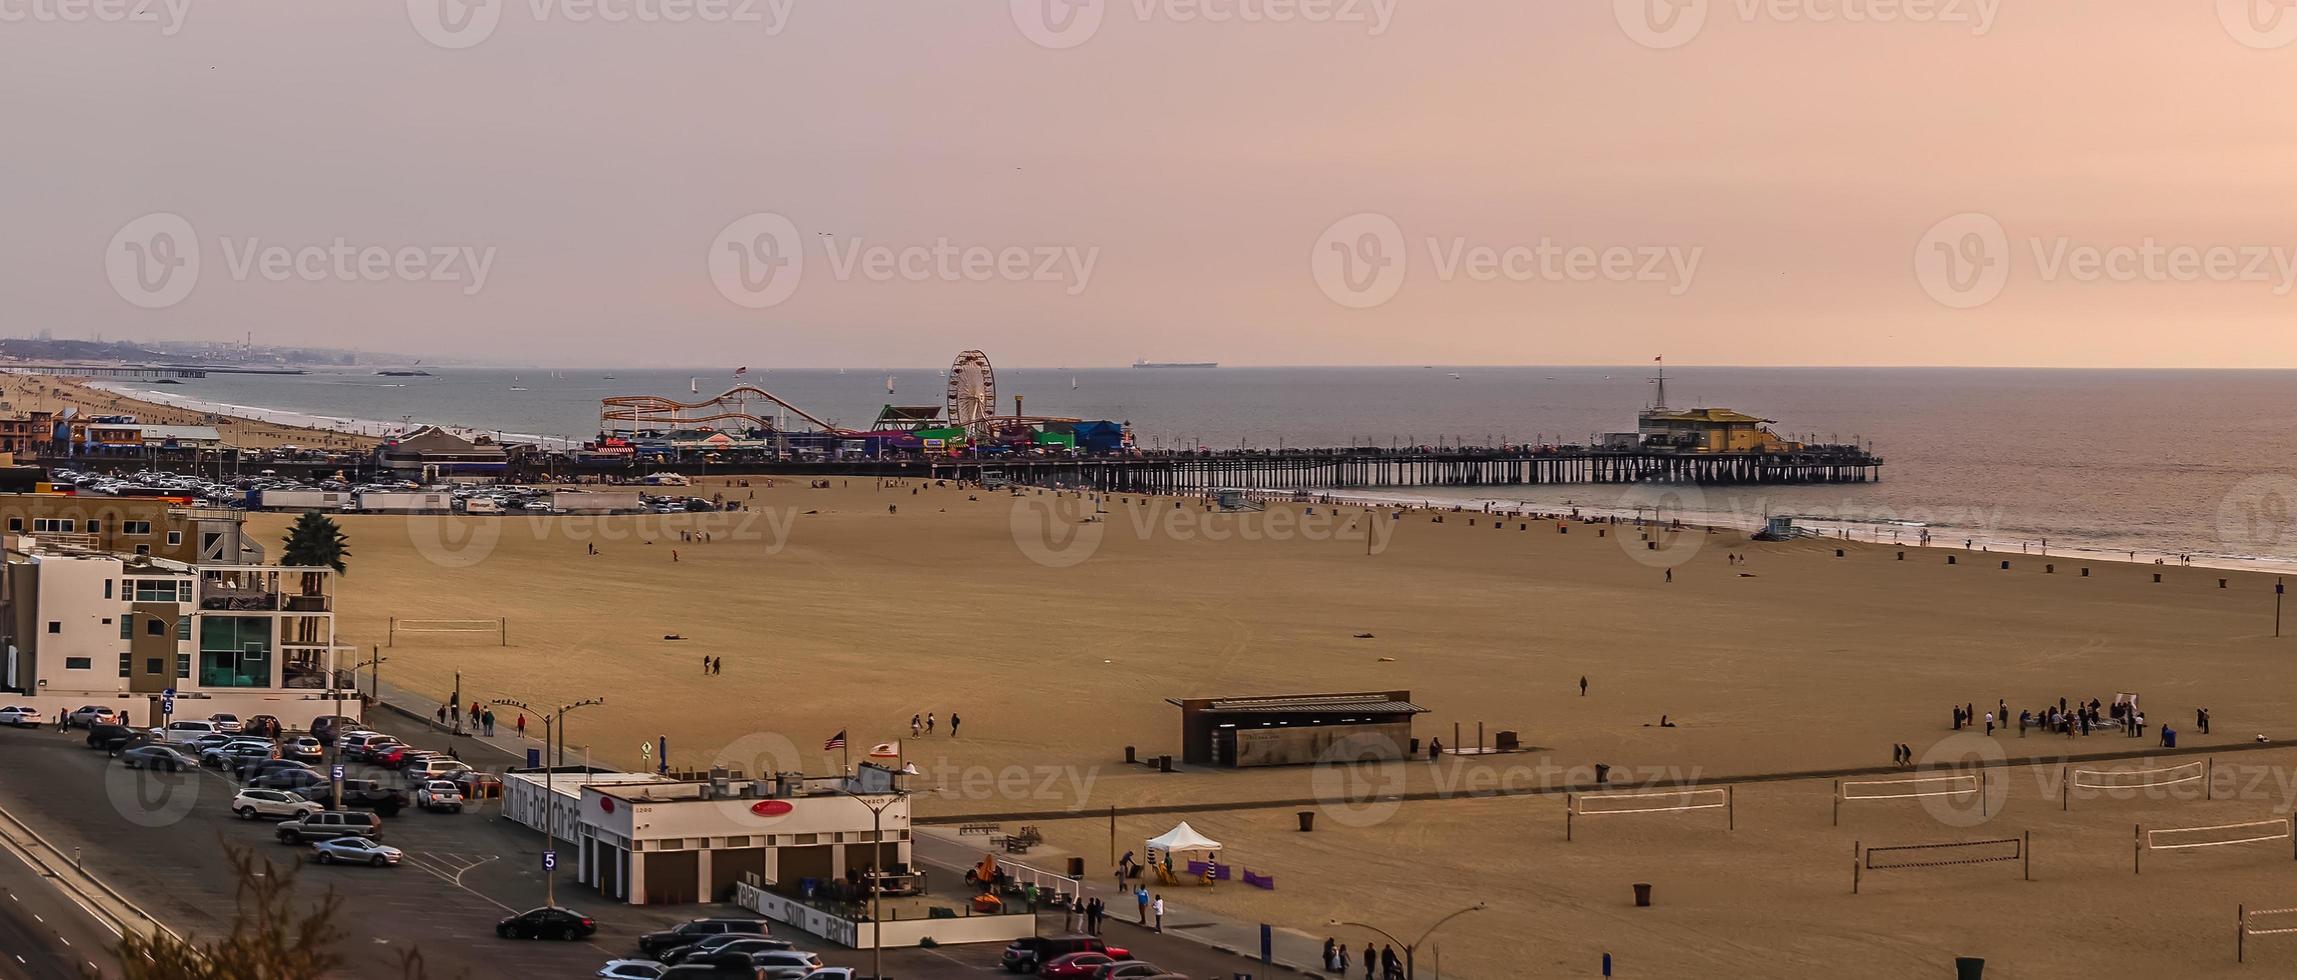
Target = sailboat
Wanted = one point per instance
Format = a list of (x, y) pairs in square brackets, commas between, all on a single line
[(694, 385), (1072, 382), (889, 379), (514, 385)]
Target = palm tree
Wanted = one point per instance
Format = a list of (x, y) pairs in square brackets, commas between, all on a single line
[(314, 541)]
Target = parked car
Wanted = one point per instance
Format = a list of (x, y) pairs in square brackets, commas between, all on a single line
[(113, 738), (368, 794), (177, 731), (325, 729), (388, 754), (21, 716), (328, 825), (293, 779), (234, 756), (631, 970), (160, 757), (727, 966), (267, 726), (547, 922), (225, 721), (694, 930), (438, 795), (413, 758), (1129, 970), (354, 850), (1086, 965), (476, 785), (784, 964), (201, 744), (91, 715), (303, 749), (356, 744), (278, 803), (835, 973), (728, 942), (437, 768), (1026, 954)]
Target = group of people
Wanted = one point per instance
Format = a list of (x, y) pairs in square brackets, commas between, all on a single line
[(923, 724), (713, 665), (2065, 718), (1379, 964), (479, 715)]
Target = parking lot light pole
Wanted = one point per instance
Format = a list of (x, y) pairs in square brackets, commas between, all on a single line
[(337, 748), (550, 720), (1411, 947), (877, 877)]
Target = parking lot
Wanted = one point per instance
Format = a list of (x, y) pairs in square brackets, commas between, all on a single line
[(163, 838)]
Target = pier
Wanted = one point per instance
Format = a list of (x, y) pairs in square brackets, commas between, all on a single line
[(1360, 470)]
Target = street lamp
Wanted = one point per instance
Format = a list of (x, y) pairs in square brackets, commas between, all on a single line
[(550, 719), (877, 878), (1411, 947), (335, 693)]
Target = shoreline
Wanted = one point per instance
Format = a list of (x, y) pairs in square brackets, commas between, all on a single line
[(369, 428)]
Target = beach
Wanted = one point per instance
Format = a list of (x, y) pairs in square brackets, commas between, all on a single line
[(1057, 637), (26, 393)]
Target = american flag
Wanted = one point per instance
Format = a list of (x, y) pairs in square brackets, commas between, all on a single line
[(836, 741)]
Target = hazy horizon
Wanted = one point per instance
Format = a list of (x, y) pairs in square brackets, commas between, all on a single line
[(1062, 182)]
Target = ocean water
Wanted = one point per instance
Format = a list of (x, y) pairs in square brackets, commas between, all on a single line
[(2134, 464)]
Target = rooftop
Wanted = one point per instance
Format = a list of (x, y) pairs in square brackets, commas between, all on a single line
[(1374, 703), (1716, 415)]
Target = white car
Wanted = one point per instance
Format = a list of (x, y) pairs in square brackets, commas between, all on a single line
[(94, 714), (253, 803), (834, 973), (438, 794), (21, 716), (631, 970), (437, 768), (225, 722), (180, 730), (785, 964), (354, 850)]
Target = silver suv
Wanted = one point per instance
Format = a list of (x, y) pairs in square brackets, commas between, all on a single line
[(330, 825)]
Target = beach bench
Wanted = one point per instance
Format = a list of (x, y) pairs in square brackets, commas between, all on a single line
[(1021, 842)]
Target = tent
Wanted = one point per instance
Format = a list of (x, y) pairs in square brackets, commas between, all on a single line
[(1183, 838)]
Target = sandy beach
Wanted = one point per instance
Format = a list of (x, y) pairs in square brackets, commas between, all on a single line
[(24, 393), (1058, 640)]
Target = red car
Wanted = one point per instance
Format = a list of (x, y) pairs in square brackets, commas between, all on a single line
[(387, 755), (1082, 964)]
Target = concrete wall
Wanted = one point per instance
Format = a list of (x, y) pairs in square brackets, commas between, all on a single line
[(898, 933), (1309, 745)]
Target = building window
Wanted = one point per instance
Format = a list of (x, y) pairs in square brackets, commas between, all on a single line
[(55, 525), (55, 627), (161, 589), (143, 549), (107, 588), (183, 629), (16, 524), (174, 538), (140, 528), (235, 651), (124, 661), (128, 626), (155, 626), (183, 663), (153, 665), (79, 663), (95, 527)]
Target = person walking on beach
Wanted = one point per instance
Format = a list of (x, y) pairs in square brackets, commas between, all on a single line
[(916, 724), (705, 663), (954, 721), (1371, 959), (1159, 907), (1989, 723), (1583, 685), (442, 714), (2201, 720), (522, 724), (1329, 946), (929, 723)]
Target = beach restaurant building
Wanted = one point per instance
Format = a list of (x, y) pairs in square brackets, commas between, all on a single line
[(1299, 729), (658, 840)]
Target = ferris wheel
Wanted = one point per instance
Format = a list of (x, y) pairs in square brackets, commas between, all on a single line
[(972, 389)]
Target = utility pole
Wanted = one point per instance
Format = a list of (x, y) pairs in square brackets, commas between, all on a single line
[(550, 719)]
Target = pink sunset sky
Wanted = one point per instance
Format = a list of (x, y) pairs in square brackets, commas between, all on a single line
[(1064, 182)]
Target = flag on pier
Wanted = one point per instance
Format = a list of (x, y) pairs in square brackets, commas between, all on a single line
[(836, 741)]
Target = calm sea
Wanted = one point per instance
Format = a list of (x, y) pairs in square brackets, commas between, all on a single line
[(2199, 463)]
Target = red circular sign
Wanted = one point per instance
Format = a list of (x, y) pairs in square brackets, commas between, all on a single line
[(771, 808), (606, 803)]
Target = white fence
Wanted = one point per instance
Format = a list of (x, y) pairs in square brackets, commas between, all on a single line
[(898, 932)]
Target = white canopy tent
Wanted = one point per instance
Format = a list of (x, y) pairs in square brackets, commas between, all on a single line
[(1182, 839)]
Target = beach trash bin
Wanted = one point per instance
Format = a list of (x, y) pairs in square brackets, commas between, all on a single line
[(1415, 749), (1969, 968), (1164, 763), (1130, 756), (1602, 774), (1642, 894), (1307, 821), (1076, 867)]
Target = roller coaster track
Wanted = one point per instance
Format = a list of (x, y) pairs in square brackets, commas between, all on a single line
[(669, 413)]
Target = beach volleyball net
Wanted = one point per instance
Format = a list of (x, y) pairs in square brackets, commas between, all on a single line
[(1960, 786), (498, 628), (2260, 922), (2153, 778), (1578, 805), (1900, 857), (2220, 835)]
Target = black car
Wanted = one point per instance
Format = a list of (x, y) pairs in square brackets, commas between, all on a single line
[(1028, 953), (729, 942), (298, 780), (251, 768), (368, 794), (654, 944), (157, 757), (548, 922), (731, 966), (113, 738)]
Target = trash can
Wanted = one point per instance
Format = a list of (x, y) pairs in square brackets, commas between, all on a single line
[(1642, 894), (1130, 756), (1969, 968), (1602, 774), (1076, 867), (1307, 821)]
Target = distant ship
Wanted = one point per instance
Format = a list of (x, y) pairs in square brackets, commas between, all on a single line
[(403, 374), (1175, 364)]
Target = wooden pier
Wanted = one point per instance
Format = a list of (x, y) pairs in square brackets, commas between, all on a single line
[(1369, 470)]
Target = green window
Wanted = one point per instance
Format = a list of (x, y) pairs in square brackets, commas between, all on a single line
[(235, 651)]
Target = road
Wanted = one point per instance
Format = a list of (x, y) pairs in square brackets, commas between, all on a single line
[(164, 840)]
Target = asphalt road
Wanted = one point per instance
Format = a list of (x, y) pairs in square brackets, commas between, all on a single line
[(165, 839)]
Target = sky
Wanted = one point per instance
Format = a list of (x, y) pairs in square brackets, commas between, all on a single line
[(820, 183)]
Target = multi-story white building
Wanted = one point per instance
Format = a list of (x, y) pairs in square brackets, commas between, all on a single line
[(80, 626)]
